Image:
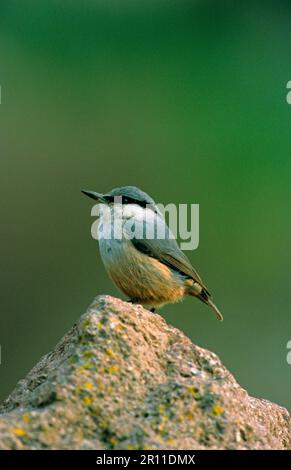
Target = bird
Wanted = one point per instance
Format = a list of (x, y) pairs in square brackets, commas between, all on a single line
[(150, 271)]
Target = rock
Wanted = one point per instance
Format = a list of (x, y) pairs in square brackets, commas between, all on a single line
[(122, 378)]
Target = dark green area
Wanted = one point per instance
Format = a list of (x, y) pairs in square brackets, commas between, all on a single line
[(186, 100)]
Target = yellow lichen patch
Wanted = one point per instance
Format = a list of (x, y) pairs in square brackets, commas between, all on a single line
[(194, 391), (88, 354), (146, 447), (26, 417), (189, 416), (85, 324), (130, 447), (88, 365), (171, 440), (217, 410), (87, 386), (113, 441), (109, 352), (161, 409), (113, 369), (81, 371), (88, 401), (19, 432)]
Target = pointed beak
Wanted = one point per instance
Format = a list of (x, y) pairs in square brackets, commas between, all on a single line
[(97, 196)]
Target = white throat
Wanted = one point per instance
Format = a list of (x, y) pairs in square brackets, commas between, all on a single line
[(125, 212), (114, 219)]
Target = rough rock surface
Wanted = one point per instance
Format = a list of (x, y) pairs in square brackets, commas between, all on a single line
[(122, 378)]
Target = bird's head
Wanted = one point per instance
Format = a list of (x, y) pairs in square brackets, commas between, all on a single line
[(126, 195)]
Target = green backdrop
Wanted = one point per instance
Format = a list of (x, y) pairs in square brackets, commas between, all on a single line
[(185, 99)]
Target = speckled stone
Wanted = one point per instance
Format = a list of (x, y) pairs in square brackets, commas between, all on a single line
[(122, 378)]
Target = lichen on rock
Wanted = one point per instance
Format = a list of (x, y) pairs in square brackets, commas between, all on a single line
[(122, 378)]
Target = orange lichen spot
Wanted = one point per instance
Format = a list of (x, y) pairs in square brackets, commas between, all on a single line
[(19, 432)]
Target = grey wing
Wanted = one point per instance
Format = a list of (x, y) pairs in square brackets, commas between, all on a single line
[(166, 249)]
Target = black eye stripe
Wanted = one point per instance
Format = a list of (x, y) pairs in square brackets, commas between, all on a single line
[(109, 198), (128, 200)]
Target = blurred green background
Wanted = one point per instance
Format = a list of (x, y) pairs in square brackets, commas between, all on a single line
[(185, 99)]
